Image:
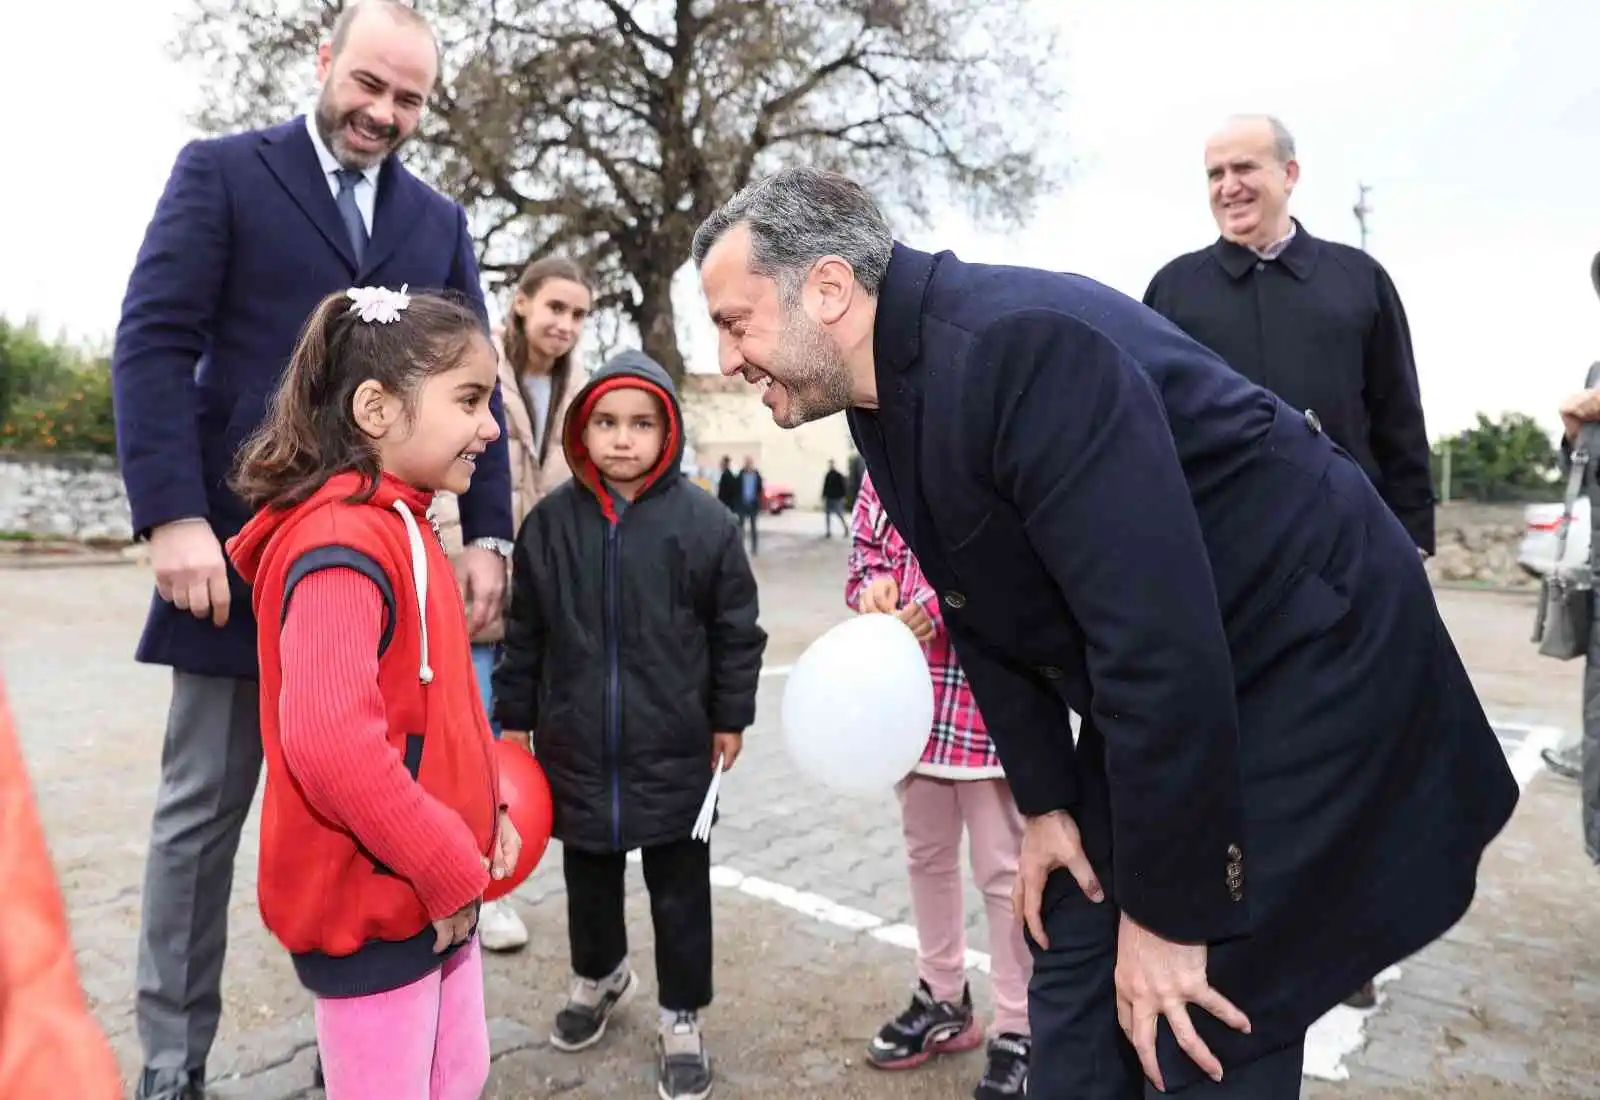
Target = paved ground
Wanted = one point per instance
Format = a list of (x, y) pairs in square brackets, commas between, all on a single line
[(810, 916)]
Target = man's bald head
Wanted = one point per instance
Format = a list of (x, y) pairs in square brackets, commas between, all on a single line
[(1251, 171), (396, 12)]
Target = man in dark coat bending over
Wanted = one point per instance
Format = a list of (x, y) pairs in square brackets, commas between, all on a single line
[(1284, 781)]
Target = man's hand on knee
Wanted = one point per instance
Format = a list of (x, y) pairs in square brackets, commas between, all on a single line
[(1049, 841)]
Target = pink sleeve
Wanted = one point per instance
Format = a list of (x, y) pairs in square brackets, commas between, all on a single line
[(334, 732)]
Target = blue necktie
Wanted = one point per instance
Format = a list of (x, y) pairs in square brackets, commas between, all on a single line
[(350, 212)]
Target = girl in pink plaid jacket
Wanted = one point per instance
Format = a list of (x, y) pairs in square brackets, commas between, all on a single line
[(958, 782)]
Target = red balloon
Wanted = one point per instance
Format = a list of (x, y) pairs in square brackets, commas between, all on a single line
[(526, 794)]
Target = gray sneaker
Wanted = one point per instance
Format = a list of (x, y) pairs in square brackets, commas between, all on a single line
[(581, 1023), (683, 1071), (1565, 760)]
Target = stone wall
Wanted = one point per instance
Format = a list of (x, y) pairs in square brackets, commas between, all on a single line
[(81, 499), (63, 497), (1477, 544)]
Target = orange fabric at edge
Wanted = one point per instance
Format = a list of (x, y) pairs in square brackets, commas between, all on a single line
[(50, 1044)]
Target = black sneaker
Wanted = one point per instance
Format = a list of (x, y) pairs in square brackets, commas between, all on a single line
[(582, 1021), (1006, 1072), (1365, 997), (171, 1084), (683, 1072), (927, 1027)]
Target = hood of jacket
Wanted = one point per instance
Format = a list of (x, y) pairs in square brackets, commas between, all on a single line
[(632, 369), (249, 547)]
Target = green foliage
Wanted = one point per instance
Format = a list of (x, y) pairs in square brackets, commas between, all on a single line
[(53, 397), (1509, 459)]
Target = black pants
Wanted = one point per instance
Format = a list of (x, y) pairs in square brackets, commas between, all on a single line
[(678, 877), (1079, 1050), (747, 514)]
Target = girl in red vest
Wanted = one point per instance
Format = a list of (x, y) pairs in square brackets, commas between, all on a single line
[(381, 823)]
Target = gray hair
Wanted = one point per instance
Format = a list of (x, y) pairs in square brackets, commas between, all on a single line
[(1282, 139), (798, 215)]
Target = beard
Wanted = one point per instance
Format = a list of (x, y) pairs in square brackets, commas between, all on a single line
[(331, 124), (815, 379)]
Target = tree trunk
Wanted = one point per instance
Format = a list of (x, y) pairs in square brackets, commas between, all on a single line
[(658, 329)]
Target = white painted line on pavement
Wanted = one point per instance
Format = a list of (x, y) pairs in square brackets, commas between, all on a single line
[(1529, 760)]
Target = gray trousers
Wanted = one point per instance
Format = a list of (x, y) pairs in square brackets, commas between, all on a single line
[(1590, 749), (210, 765)]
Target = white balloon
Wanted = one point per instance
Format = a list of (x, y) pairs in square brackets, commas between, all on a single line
[(858, 707)]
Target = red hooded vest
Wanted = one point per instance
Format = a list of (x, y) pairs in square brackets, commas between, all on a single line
[(353, 925)]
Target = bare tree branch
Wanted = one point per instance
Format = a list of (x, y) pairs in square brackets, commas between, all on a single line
[(607, 130)]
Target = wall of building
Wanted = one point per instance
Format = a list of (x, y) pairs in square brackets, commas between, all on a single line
[(725, 417)]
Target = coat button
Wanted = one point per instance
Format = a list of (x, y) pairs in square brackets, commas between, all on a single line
[(1050, 672), (1236, 895), (955, 600), (1313, 422), (1234, 853)]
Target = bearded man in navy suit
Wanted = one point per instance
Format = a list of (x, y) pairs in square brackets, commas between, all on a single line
[(252, 230)]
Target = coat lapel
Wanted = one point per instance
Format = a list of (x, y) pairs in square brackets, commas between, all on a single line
[(292, 159), (394, 214)]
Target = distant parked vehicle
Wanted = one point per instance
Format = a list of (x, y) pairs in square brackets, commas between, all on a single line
[(777, 499), (1542, 531)]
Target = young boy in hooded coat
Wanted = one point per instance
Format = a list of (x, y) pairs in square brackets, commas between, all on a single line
[(631, 657)]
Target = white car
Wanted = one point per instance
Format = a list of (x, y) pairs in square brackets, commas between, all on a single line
[(1542, 531)]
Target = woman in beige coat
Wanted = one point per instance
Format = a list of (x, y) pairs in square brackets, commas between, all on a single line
[(538, 377)]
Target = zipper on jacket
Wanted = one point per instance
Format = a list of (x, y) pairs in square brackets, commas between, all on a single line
[(613, 707)]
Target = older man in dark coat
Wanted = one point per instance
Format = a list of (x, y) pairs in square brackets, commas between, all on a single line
[(1318, 323), (1284, 780)]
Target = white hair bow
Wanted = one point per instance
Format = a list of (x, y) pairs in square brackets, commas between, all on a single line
[(378, 303)]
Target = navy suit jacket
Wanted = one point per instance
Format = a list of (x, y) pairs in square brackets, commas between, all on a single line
[(244, 242), (1281, 753)]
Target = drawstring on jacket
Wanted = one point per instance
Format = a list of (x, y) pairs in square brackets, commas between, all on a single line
[(419, 574)]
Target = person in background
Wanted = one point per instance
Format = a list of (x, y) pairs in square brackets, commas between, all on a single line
[(751, 493), (728, 485), (834, 492), (251, 231), (1582, 757), (1320, 324), (632, 658), (958, 783), (539, 375), (50, 1043)]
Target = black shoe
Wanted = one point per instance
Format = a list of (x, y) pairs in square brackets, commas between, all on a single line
[(582, 1021), (927, 1027), (171, 1084), (683, 1072), (1365, 997), (1006, 1072)]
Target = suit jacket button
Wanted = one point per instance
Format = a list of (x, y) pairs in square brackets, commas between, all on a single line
[(1234, 853), (1313, 422), (955, 600), (1236, 895), (1050, 672)]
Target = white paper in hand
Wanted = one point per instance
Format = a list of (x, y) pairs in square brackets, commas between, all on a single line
[(708, 809)]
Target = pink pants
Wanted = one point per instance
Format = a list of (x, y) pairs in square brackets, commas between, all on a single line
[(424, 1041), (932, 812)]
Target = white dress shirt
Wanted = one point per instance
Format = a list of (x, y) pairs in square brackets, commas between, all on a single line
[(366, 187)]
